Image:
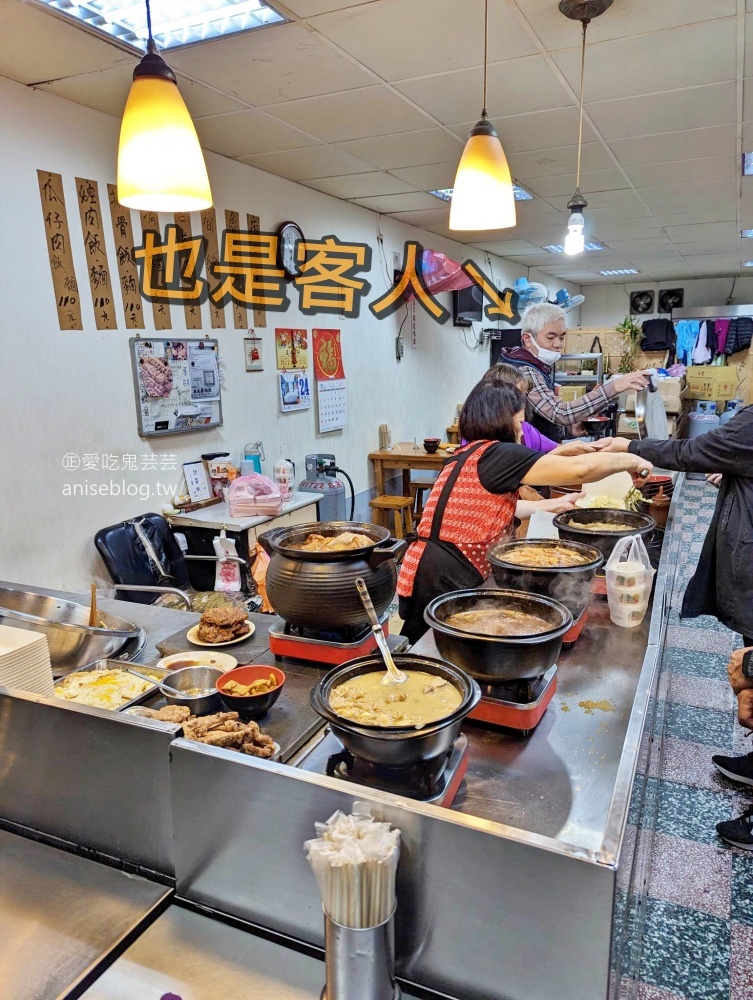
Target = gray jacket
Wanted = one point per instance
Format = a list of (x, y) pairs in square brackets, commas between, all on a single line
[(722, 585)]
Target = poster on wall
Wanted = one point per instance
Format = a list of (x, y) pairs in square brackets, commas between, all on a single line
[(176, 383), (294, 391), (204, 371), (329, 374), (292, 347)]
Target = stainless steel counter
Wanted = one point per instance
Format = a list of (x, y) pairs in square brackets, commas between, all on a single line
[(61, 916), (197, 958)]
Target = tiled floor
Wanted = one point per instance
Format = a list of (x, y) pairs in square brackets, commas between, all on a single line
[(698, 942)]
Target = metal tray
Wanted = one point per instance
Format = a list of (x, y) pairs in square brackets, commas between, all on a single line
[(111, 664)]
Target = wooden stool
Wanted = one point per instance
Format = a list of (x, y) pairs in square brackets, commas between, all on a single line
[(418, 486), (402, 508)]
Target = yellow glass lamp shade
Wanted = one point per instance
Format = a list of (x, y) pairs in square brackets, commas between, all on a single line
[(483, 196), (161, 166)]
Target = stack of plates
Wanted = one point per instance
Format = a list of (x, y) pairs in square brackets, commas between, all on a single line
[(25, 661)]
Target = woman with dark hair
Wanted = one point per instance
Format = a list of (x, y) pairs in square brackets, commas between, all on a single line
[(474, 500)]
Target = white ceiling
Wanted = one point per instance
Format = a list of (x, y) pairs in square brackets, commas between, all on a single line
[(371, 101)]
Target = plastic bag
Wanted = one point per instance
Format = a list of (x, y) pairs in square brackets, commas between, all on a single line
[(254, 495), (259, 573), (227, 574), (630, 577)]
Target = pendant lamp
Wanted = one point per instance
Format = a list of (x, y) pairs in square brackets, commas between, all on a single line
[(160, 162), (583, 11), (482, 197)]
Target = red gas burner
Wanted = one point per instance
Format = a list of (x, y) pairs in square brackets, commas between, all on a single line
[(599, 586), (518, 705), (329, 647), (573, 633)]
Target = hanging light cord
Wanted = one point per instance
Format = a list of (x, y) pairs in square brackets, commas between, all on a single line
[(585, 23), (486, 44), (149, 23)]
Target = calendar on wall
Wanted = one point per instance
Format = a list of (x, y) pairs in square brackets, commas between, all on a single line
[(329, 375)]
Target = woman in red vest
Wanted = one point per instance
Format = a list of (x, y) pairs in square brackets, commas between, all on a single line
[(473, 501)]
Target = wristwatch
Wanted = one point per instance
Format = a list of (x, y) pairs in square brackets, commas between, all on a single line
[(748, 665)]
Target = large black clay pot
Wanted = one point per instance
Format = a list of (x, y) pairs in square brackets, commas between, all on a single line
[(318, 589)]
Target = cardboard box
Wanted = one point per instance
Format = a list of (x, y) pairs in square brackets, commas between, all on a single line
[(572, 392), (712, 382)]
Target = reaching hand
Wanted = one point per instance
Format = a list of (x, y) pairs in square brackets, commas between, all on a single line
[(738, 681), (560, 504), (714, 478), (573, 448), (745, 709), (615, 444), (639, 469), (633, 380)]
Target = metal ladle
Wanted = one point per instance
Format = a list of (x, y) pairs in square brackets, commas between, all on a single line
[(152, 680), (393, 675)]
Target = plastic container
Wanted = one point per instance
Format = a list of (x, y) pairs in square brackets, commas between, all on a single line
[(629, 575), (630, 597), (627, 616), (284, 477)]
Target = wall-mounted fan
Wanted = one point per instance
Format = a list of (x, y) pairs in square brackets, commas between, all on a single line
[(671, 298), (566, 301), (530, 293), (641, 303)]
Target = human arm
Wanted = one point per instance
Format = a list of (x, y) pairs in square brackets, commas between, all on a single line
[(737, 679), (575, 448), (727, 450), (558, 470), (715, 478), (745, 708), (564, 413), (526, 508)]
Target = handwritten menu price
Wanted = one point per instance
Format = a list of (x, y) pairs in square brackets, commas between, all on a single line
[(128, 276), (89, 207), (212, 255), (58, 242)]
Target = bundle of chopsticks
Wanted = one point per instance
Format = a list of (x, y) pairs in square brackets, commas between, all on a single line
[(354, 859)]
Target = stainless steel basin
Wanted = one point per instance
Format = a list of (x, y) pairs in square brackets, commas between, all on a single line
[(71, 640)]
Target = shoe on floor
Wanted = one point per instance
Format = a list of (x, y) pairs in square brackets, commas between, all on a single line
[(739, 769), (738, 832)]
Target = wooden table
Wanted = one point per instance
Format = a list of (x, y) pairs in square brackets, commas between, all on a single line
[(405, 457)]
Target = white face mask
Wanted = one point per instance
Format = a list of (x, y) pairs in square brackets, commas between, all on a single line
[(544, 354)]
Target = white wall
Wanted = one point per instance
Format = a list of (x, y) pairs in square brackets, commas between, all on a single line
[(606, 305), (67, 392)]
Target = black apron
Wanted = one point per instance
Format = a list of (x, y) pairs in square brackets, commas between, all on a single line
[(442, 566)]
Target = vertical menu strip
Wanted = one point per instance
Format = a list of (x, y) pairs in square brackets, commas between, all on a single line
[(97, 267), (240, 313), (191, 309), (58, 242), (160, 310), (211, 256), (260, 313), (122, 233)]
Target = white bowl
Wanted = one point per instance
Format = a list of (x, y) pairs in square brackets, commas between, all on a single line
[(198, 658)]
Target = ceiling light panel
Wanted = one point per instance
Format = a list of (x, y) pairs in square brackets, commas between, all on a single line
[(619, 270), (560, 247), (519, 193), (174, 22)]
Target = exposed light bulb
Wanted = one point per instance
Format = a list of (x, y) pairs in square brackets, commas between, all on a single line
[(575, 241)]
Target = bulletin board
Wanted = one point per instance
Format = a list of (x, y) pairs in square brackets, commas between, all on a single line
[(177, 385)]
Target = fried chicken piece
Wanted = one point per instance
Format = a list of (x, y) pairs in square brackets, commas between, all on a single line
[(223, 617), (213, 633), (174, 713), (253, 750), (220, 738)]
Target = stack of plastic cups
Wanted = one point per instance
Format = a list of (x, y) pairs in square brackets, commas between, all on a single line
[(628, 593)]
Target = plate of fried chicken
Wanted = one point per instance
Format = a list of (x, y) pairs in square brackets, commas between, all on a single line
[(223, 729), (221, 627)]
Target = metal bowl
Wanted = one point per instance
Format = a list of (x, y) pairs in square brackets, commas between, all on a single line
[(396, 746), (570, 525), (569, 584), (493, 659), (73, 642), (204, 678)]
